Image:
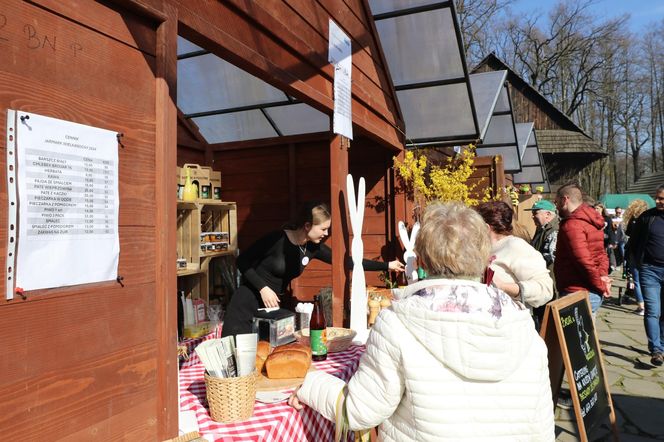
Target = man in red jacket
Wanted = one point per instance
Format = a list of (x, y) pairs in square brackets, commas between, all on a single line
[(581, 261)]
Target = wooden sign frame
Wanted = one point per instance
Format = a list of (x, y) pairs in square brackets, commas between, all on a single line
[(560, 362)]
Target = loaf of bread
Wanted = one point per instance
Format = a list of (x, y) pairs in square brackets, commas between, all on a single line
[(262, 352), (287, 364), (294, 346)]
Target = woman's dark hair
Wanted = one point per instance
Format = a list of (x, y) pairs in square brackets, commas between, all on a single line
[(313, 212), (498, 215)]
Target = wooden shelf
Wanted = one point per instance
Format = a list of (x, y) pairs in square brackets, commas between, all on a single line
[(209, 203), (188, 272), (217, 253), (193, 217)]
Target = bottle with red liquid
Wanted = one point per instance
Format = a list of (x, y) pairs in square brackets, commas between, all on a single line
[(317, 332)]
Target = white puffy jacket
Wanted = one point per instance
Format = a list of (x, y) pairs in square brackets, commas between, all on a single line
[(434, 374)]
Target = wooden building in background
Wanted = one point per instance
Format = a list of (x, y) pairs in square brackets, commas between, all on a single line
[(567, 150)]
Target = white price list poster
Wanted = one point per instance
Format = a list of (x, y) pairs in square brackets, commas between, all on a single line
[(340, 55), (67, 177)]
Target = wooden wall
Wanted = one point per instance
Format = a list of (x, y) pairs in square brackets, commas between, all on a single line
[(270, 182), (84, 362)]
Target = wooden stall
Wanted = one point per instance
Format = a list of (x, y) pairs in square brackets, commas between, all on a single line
[(97, 361)]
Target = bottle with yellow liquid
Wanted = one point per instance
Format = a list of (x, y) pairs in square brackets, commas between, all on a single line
[(190, 192)]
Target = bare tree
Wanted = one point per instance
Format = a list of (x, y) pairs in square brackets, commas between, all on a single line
[(477, 20)]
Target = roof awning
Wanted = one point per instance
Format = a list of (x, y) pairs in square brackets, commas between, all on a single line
[(498, 135), (532, 166), (422, 44), (228, 104)]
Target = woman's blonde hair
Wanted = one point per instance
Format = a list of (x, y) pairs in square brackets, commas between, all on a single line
[(453, 241), (634, 210)]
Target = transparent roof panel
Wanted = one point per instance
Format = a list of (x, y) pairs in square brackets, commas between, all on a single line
[(523, 136), (421, 47), (531, 157), (437, 111), (185, 46), (503, 103), (486, 88), (383, 6), (500, 131), (238, 126), (509, 154), (529, 174), (208, 83), (298, 118)]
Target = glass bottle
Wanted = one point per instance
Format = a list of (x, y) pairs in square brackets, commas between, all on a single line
[(190, 192), (317, 332)]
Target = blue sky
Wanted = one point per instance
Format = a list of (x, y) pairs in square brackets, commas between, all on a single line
[(642, 12)]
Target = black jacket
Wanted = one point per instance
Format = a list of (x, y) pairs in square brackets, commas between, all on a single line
[(638, 232)]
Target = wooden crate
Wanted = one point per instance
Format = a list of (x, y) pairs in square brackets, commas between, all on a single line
[(188, 236), (194, 218)]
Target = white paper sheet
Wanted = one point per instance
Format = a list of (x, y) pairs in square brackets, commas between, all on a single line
[(68, 203), (340, 55)]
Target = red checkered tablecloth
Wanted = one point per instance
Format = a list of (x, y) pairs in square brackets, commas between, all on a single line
[(270, 422)]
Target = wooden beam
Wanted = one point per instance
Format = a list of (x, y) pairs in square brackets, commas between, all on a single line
[(274, 141), (165, 277), (340, 230)]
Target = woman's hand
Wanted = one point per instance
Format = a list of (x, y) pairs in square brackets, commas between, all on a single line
[(293, 401), (396, 266), (270, 299)]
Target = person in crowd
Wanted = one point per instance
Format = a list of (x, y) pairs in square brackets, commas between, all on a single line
[(271, 263), (581, 260), (452, 359), (544, 240), (617, 238), (634, 210), (609, 237), (518, 269), (620, 251), (647, 249)]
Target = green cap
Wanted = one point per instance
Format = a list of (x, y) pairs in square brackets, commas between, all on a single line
[(543, 205)]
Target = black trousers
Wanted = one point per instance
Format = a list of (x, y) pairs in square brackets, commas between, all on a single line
[(239, 315)]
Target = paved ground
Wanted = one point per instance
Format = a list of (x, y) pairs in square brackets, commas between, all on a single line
[(637, 387)]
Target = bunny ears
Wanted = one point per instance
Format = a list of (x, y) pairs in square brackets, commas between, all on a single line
[(408, 243)]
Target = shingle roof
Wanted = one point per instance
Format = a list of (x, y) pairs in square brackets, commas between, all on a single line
[(647, 184), (566, 141)]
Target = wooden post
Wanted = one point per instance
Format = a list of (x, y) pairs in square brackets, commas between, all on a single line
[(165, 238), (339, 239)]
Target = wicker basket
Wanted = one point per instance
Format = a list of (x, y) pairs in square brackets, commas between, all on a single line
[(231, 399)]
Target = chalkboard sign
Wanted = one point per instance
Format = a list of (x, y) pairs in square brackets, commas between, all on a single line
[(569, 332)]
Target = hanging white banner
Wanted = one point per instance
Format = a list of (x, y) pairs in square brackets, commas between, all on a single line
[(68, 203), (340, 55)]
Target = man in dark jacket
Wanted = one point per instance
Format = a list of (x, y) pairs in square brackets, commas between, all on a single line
[(581, 261), (647, 242), (544, 240)]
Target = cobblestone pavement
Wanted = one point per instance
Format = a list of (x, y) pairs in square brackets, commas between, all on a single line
[(637, 387)]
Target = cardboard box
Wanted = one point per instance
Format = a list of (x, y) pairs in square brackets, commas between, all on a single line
[(215, 183), (199, 174)]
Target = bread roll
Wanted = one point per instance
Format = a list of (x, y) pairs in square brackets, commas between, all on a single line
[(262, 352), (294, 346), (287, 364), (263, 349)]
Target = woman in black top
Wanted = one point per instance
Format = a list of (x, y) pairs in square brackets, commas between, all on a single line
[(272, 262)]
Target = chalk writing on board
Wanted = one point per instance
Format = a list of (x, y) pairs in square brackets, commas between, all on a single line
[(579, 335)]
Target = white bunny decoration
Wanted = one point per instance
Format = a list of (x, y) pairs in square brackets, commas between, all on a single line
[(408, 243), (358, 288)]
